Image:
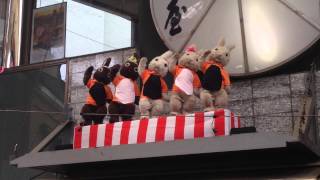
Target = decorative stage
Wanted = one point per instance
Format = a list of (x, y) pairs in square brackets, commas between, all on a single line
[(162, 128)]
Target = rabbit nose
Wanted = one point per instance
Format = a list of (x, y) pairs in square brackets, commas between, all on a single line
[(218, 56)]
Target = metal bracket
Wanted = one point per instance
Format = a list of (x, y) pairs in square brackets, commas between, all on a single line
[(50, 137)]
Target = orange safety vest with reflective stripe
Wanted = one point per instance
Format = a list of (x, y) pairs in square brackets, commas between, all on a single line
[(224, 73), (146, 75), (90, 99), (196, 81)]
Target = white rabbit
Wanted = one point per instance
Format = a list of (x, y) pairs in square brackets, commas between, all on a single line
[(154, 90), (215, 80)]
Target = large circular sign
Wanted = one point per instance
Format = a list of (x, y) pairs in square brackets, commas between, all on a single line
[(267, 33)]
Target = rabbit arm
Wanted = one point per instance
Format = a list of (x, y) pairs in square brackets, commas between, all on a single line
[(98, 94), (114, 70), (172, 63), (196, 92), (203, 55), (136, 100), (228, 89), (142, 65), (165, 97), (87, 75), (164, 90), (137, 93), (196, 85)]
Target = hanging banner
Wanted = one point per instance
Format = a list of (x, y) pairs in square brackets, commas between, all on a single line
[(176, 20)]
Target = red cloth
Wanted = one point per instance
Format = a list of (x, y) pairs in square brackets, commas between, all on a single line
[(197, 125)]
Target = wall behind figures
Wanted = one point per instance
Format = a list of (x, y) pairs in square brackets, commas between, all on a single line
[(272, 103)]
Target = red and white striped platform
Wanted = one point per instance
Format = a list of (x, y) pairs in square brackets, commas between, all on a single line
[(163, 128)]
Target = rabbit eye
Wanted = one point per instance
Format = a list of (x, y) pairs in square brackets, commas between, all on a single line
[(197, 60), (188, 54), (156, 59), (227, 54), (165, 65), (100, 69), (135, 69), (127, 64), (216, 49)]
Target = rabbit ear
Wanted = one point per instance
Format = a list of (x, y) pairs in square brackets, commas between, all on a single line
[(135, 54), (106, 62), (143, 61), (167, 55), (221, 42), (231, 47), (206, 52), (114, 70), (177, 56), (191, 48)]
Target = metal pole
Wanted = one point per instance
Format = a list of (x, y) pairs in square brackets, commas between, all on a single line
[(243, 37), (12, 37)]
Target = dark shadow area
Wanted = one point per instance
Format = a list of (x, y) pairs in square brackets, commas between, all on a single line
[(202, 166), (26, 97)]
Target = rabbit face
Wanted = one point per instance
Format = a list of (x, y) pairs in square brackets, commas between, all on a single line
[(129, 70), (104, 74), (190, 60), (221, 53), (159, 65)]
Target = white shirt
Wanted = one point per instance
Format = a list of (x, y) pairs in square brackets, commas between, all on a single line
[(125, 91), (184, 81)]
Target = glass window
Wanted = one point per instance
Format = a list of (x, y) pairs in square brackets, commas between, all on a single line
[(48, 33), (91, 30), (42, 3)]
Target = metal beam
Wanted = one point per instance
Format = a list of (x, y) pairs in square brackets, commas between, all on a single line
[(50, 137), (234, 143), (300, 14), (243, 38)]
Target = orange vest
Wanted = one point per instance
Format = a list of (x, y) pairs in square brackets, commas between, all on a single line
[(145, 76), (90, 99), (224, 73), (116, 82), (196, 80)]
